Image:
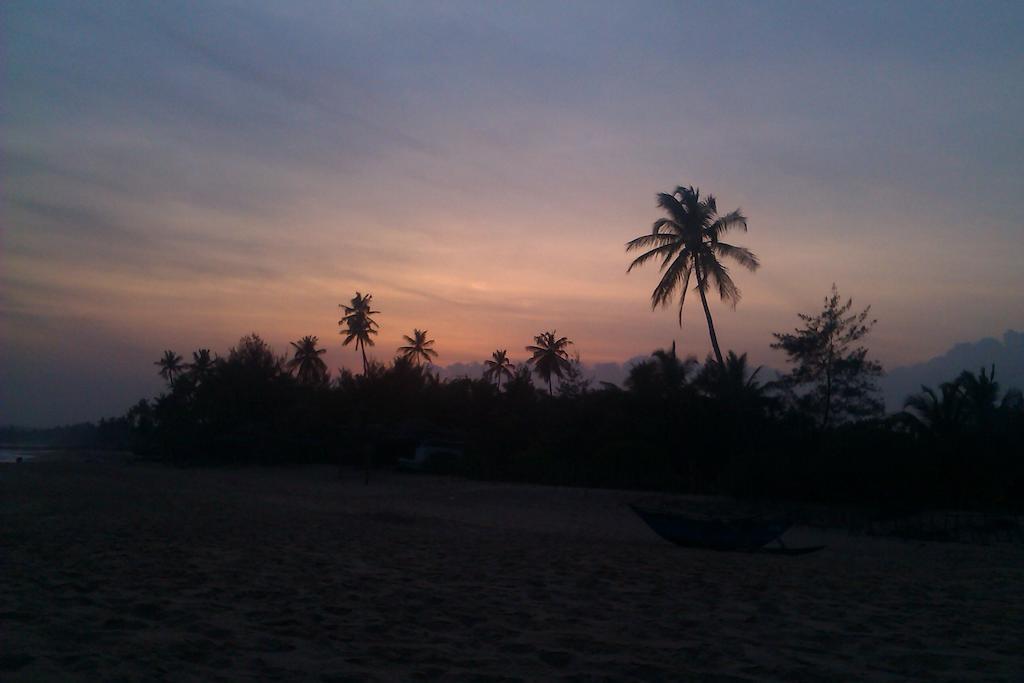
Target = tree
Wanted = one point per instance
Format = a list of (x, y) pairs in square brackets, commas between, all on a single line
[(664, 376), (688, 245), (498, 366), (733, 383), (574, 382), (418, 349), (942, 414), (201, 365), (832, 375), (307, 364), (969, 402), (358, 324), (256, 355), (980, 392), (170, 366), (549, 356)]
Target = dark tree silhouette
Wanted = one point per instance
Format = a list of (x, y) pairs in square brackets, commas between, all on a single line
[(574, 382), (663, 377), (308, 366), (418, 348), (733, 383), (687, 244), (549, 356), (832, 377), (968, 402), (941, 414), (499, 366), (358, 324), (201, 365), (981, 393), (170, 366)]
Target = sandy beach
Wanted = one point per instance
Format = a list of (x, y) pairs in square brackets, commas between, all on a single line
[(144, 572)]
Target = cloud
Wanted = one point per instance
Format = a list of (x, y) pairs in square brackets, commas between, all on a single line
[(179, 174), (1007, 355)]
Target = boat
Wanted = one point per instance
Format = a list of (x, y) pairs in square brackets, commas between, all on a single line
[(748, 534)]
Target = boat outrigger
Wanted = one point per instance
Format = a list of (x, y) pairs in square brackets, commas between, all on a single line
[(746, 534)]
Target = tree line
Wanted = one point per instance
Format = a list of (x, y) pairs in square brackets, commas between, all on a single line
[(816, 432)]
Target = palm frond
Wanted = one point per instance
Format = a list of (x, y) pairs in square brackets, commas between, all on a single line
[(682, 296), (676, 273), (732, 220), (666, 250), (675, 209), (645, 241), (719, 274), (741, 255)]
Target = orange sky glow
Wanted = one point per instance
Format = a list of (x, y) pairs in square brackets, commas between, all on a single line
[(479, 171)]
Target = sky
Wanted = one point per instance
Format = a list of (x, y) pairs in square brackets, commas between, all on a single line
[(176, 175)]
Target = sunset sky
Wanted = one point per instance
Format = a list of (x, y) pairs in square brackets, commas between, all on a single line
[(175, 175)]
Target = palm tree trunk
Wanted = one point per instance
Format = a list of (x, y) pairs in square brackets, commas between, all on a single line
[(707, 314), (550, 392), (363, 349)]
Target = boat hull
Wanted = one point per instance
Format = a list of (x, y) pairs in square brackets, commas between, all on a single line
[(715, 534)]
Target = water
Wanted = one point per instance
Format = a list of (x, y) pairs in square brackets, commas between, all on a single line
[(12, 454)]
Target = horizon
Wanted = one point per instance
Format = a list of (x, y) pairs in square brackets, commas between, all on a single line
[(895, 385), (211, 173)]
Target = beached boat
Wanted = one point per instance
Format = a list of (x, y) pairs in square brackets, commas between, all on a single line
[(743, 533)]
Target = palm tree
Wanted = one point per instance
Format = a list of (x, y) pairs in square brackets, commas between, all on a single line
[(307, 364), (687, 244), (418, 350), (981, 393), (942, 414), (549, 356), (733, 382), (202, 363), (170, 366), (499, 366), (358, 324)]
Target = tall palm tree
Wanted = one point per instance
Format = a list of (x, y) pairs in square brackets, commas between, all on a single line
[(359, 326), (307, 364), (418, 350), (687, 244), (202, 363), (498, 366), (170, 366), (549, 356)]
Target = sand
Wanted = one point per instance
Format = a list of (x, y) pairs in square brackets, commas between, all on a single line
[(144, 572)]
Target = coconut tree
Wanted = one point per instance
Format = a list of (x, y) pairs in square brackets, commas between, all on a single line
[(549, 356), (688, 245), (358, 325), (202, 363), (417, 351), (981, 393), (307, 364), (498, 366), (734, 382), (170, 366), (941, 414)]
